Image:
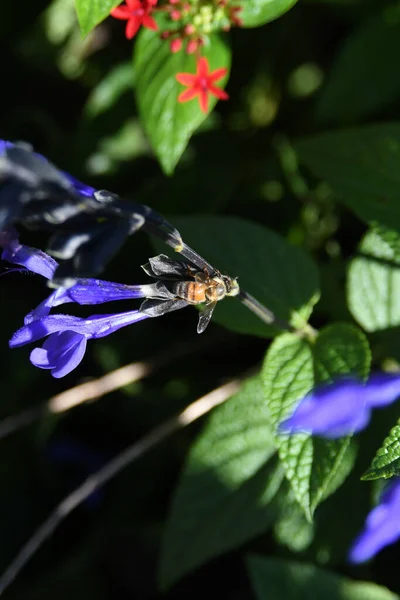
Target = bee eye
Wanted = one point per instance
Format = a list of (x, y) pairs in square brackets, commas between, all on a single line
[(220, 290)]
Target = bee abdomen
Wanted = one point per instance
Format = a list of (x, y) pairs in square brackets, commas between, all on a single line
[(191, 291)]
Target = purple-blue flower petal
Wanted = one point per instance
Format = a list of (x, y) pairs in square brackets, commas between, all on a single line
[(81, 188), (97, 291), (61, 352), (31, 258), (95, 326), (382, 526), (4, 145), (333, 410), (56, 298), (382, 389)]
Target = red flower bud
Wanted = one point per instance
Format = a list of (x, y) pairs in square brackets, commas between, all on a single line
[(192, 46), (175, 45)]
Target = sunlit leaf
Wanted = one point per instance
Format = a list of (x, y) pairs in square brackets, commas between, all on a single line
[(276, 579), (169, 124)]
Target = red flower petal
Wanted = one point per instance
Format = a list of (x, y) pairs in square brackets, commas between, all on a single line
[(186, 78), (202, 67), (121, 12), (132, 27), (187, 95), (149, 22), (217, 74), (221, 94), (133, 4), (203, 100)]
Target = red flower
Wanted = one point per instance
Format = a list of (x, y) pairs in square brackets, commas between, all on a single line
[(202, 84), (137, 13)]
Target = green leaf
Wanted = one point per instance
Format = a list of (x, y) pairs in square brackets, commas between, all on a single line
[(276, 579), (373, 286), (92, 12), (364, 76), (362, 167), (258, 12), (279, 275), (106, 93), (314, 467), (386, 462), (228, 482), (169, 124)]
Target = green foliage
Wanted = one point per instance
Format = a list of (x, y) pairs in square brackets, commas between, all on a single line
[(169, 123), (361, 165), (373, 285), (224, 493), (258, 12), (280, 215), (386, 462), (278, 274), (92, 12), (276, 579), (313, 466), (110, 89), (364, 78)]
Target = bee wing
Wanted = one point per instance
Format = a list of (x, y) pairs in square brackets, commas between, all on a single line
[(163, 266), (157, 307), (205, 317)]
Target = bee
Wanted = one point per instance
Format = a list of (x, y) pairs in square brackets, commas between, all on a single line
[(183, 285)]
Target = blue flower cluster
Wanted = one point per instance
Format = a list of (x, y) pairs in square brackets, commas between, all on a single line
[(66, 335), (342, 408)]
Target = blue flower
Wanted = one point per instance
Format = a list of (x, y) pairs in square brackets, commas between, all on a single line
[(52, 174), (382, 526), (65, 345), (32, 259), (343, 406)]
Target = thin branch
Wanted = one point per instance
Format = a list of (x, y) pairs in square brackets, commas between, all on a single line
[(193, 412), (96, 388), (90, 390)]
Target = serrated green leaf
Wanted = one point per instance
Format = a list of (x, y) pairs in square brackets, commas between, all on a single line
[(169, 124), (314, 467), (364, 75), (339, 349), (92, 12), (227, 485), (373, 286), (362, 166), (279, 275), (386, 462), (258, 12), (276, 579)]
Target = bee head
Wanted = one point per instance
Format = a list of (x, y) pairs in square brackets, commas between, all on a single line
[(231, 285)]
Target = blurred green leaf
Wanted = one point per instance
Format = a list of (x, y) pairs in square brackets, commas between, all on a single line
[(292, 529), (226, 487), (169, 123), (92, 12), (364, 77), (106, 93), (314, 467), (386, 462), (362, 166), (279, 275), (258, 12), (276, 579), (373, 286)]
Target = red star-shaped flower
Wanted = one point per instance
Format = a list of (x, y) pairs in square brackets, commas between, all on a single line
[(201, 84), (137, 13)]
